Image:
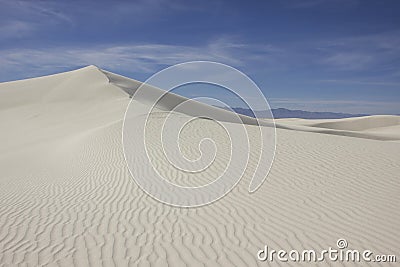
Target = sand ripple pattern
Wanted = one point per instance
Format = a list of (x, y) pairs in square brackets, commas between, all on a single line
[(67, 198), (159, 120)]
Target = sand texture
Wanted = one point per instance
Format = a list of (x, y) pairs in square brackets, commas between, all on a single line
[(67, 197)]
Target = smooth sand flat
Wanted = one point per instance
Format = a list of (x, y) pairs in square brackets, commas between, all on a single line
[(67, 198)]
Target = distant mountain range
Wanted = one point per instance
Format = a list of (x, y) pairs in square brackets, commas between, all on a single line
[(280, 113)]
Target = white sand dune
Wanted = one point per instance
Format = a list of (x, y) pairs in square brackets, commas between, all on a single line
[(67, 198), (379, 127)]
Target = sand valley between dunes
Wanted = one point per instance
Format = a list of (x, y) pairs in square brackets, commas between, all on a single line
[(67, 197)]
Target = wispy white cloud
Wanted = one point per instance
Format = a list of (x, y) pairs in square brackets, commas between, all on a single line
[(34, 10), (16, 29), (134, 58), (358, 82), (349, 60), (378, 52), (22, 18), (46, 13)]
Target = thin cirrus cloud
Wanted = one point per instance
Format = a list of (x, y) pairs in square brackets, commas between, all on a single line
[(16, 29), (138, 58), (366, 82), (34, 10), (364, 52), (341, 55), (45, 13)]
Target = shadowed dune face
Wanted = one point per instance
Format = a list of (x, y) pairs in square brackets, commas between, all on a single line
[(67, 197), (170, 101)]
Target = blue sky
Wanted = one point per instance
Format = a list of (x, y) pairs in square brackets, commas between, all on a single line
[(318, 55)]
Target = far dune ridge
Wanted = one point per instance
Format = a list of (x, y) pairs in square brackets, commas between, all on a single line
[(68, 199)]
